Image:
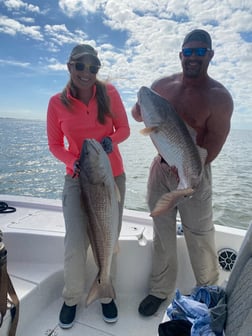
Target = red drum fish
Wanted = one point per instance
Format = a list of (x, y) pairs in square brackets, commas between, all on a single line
[(100, 195), (175, 142)]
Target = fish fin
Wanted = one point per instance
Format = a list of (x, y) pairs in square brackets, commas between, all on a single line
[(117, 191), (169, 200), (149, 130), (100, 290), (92, 243), (116, 248)]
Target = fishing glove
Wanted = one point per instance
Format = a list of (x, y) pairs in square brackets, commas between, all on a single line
[(107, 144), (76, 169)]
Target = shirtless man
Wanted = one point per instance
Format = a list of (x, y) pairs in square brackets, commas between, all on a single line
[(207, 106)]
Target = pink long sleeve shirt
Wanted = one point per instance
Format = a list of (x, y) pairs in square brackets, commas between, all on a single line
[(67, 128)]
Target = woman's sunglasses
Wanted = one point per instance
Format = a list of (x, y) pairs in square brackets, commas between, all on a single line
[(187, 52), (82, 66)]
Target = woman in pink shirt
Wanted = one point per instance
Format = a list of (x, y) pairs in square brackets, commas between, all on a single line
[(86, 108)]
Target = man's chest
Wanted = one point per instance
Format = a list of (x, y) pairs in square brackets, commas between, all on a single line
[(192, 106)]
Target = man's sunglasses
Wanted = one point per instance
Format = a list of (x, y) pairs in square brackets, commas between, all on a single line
[(82, 66), (187, 52)]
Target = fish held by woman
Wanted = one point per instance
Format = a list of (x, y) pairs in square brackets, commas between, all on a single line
[(101, 196)]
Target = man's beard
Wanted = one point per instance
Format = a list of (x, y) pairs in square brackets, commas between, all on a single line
[(192, 71)]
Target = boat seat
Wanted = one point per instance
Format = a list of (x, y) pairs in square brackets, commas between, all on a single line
[(239, 292)]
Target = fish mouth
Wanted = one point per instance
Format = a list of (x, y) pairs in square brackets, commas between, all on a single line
[(143, 91), (91, 144), (86, 147)]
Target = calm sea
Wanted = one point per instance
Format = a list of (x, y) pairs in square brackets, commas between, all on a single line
[(27, 168)]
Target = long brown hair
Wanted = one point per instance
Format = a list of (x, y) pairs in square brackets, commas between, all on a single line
[(101, 95)]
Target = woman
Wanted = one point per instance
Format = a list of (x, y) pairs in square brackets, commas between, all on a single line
[(86, 108)]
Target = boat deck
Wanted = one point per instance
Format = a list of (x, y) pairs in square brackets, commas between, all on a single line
[(34, 238)]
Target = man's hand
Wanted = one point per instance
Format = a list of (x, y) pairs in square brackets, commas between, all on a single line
[(136, 113)]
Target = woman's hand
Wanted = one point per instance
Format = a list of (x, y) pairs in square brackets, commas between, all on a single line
[(76, 169), (107, 144)]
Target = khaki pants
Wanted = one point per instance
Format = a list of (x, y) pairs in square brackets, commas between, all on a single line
[(76, 238), (196, 217)]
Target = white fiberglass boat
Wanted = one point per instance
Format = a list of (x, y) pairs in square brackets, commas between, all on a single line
[(34, 237)]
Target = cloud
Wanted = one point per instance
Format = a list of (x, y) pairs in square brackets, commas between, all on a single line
[(12, 27), (72, 7), (27, 19), (138, 41), (53, 64), (57, 67), (14, 63), (18, 5), (155, 31), (60, 35)]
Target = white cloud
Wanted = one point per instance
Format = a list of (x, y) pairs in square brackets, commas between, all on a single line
[(27, 19), (57, 67), (4, 62), (155, 32), (13, 27), (60, 35), (152, 31), (20, 5), (71, 7)]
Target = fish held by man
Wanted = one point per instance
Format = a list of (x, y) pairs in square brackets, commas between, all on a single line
[(175, 142), (100, 196)]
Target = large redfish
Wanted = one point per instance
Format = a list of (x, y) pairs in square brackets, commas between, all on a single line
[(100, 196), (175, 142)]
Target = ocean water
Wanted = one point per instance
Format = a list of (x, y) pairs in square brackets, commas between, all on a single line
[(28, 168)]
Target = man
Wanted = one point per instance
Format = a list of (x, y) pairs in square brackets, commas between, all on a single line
[(207, 106)]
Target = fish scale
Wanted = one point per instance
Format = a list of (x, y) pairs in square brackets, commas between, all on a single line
[(175, 142)]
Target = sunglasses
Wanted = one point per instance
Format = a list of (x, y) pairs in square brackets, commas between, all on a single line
[(187, 52), (82, 66)]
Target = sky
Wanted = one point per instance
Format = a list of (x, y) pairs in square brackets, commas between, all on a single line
[(138, 41)]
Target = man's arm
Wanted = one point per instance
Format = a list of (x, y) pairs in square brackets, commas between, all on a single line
[(218, 124)]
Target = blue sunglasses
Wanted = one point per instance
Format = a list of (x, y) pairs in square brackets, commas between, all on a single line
[(187, 52)]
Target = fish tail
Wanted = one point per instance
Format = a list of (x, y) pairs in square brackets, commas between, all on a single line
[(100, 290), (170, 200)]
